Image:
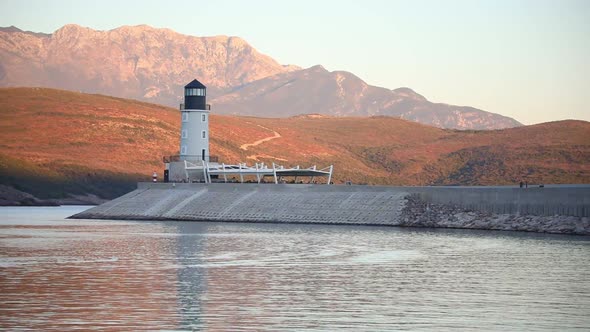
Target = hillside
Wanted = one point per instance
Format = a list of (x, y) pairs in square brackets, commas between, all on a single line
[(149, 64), (56, 143)]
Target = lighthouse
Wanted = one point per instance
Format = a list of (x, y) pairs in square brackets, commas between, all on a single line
[(194, 131)]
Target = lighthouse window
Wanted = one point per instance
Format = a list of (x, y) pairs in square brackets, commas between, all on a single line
[(194, 92), (184, 133), (203, 117), (204, 134), (183, 149), (184, 116)]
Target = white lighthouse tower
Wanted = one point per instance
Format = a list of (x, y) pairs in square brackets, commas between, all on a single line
[(194, 133)]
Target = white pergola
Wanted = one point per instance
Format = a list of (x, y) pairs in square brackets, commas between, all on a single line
[(259, 170)]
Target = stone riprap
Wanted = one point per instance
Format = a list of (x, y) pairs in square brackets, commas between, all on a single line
[(419, 213), (559, 209)]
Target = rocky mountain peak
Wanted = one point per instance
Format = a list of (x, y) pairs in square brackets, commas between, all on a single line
[(72, 29), (408, 93), (318, 68), (13, 29)]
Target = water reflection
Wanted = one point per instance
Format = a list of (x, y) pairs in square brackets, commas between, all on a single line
[(57, 274), (191, 275), (73, 278)]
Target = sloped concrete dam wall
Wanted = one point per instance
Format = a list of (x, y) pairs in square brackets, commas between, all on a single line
[(555, 210), (253, 203)]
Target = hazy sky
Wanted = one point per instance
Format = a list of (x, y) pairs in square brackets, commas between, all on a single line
[(529, 60)]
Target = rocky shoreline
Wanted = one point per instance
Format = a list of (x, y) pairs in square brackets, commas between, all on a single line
[(418, 213)]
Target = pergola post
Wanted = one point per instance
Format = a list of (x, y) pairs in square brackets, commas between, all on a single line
[(204, 171), (224, 175), (241, 176), (208, 173), (257, 174), (186, 172)]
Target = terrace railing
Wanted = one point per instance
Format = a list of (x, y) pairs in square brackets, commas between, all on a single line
[(189, 157)]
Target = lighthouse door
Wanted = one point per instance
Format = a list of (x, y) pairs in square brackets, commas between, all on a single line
[(203, 154)]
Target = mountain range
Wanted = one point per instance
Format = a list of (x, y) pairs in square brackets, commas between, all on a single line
[(150, 64), (62, 144), (338, 93)]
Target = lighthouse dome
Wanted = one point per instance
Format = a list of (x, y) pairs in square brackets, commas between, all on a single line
[(195, 94)]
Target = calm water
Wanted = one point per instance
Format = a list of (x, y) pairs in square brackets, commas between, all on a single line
[(110, 275)]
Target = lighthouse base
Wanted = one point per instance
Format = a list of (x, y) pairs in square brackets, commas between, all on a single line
[(178, 171)]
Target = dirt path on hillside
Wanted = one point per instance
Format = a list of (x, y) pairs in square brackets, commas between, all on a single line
[(260, 141), (256, 156)]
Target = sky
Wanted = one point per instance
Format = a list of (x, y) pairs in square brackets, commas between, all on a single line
[(527, 59)]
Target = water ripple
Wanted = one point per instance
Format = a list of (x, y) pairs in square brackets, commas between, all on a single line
[(106, 275)]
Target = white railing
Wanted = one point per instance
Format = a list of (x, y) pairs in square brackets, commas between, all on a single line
[(259, 170)]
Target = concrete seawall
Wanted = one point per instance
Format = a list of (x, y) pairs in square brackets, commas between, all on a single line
[(555, 209), (566, 200)]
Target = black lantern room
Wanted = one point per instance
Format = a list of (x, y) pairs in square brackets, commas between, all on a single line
[(195, 96)]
